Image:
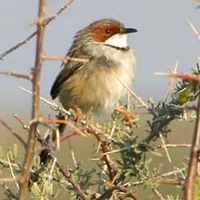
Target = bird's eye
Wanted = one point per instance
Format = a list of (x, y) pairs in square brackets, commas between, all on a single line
[(108, 31)]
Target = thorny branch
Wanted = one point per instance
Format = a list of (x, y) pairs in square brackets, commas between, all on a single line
[(194, 159), (64, 59), (18, 75), (67, 175), (35, 103), (187, 77), (105, 157), (46, 22), (119, 189), (51, 104), (9, 193), (13, 132)]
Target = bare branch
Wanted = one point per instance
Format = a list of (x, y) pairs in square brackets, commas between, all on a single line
[(158, 194), (194, 158), (46, 22), (65, 6), (171, 82), (51, 104), (104, 151), (174, 145), (196, 32), (8, 191), (9, 180), (64, 59), (35, 103), (165, 148), (17, 75), (26, 127), (58, 121), (131, 92), (68, 176), (187, 77), (11, 170), (13, 132), (166, 181)]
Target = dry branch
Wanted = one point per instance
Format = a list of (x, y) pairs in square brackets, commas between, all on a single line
[(46, 22), (194, 158), (196, 32), (17, 75), (51, 104), (64, 59), (76, 187), (13, 132), (186, 77), (35, 103), (9, 180)]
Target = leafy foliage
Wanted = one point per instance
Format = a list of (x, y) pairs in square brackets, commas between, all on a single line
[(120, 156)]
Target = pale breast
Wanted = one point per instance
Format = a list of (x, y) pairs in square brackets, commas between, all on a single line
[(100, 83), (123, 74)]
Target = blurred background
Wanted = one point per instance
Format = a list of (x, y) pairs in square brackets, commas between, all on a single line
[(164, 38)]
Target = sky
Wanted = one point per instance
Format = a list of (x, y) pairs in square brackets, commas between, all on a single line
[(163, 38)]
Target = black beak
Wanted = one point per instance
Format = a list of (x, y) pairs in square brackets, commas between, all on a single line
[(130, 30)]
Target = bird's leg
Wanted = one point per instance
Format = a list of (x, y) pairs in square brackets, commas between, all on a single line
[(78, 114), (128, 116)]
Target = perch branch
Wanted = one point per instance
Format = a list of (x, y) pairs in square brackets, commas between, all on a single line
[(35, 103), (194, 157)]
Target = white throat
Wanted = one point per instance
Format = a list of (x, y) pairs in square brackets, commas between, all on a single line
[(117, 40)]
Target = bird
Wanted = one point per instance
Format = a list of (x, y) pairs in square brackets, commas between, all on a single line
[(96, 84)]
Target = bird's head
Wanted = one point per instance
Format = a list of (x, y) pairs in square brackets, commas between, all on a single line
[(106, 32)]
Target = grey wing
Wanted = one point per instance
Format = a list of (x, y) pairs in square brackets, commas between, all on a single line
[(64, 74), (70, 68)]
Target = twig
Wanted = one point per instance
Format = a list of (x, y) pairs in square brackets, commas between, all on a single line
[(64, 59), (167, 181), (158, 194), (120, 150), (17, 75), (35, 103), (8, 192), (65, 6), (58, 121), (72, 153), (11, 170), (156, 147), (174, 145), (131, 92), (52, 104), (8, 51), (164, 181), (9, 180), (194, 157), (70, 179), (165, 148), (108, 193), (50, 175), (24, 126), (179, 172), (194, 30), (105, 157), (187, 77), (13, 132), (112, 130), (171, 83), (14, 165), (73, 133), (47, 21)]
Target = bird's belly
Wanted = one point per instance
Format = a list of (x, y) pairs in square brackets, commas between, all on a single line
[(97, 91)]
